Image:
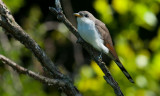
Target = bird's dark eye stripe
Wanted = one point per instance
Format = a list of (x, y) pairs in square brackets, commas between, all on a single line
[(86, 15)]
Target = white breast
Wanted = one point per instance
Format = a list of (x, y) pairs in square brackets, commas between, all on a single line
[(89, 33)]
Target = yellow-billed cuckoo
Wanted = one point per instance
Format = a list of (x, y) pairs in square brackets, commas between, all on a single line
[(94, 32)]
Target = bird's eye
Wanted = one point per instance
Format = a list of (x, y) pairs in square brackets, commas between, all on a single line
[(86, 15)]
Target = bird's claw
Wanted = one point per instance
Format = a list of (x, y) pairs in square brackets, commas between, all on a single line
[(100, 57)]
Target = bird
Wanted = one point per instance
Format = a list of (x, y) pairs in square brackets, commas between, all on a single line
[(95, 32)]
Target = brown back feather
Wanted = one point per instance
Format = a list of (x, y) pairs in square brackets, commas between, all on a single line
[(102, 29), (107, 38)]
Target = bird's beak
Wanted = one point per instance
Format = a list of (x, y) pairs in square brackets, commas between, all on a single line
[(77, 15)]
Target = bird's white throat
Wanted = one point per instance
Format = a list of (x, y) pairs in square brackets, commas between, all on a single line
[(90, 34)]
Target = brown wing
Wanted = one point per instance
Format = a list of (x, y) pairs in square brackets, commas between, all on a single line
[(102, 29), (107, 38)]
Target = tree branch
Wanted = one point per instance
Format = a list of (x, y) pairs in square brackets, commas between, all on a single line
[(94, 53), (8, 23), (22, 70)]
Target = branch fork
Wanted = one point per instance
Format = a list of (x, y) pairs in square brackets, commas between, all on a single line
[(58, 79)]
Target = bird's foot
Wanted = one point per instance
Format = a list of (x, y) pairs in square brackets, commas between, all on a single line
[(100, 56), (79, 40)]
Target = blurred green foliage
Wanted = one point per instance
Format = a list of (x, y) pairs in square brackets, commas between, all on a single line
[(14, 5), (135, 29)]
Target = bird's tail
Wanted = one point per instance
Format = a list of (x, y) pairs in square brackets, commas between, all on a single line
[(124, 71)]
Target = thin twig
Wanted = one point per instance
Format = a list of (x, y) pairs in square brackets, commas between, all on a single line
[(30, 73), (94, 54)]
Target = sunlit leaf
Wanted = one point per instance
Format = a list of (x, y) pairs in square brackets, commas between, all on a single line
[(121, 6), (103, 8)]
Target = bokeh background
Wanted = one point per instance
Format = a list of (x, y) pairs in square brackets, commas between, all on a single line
[(135, 29)]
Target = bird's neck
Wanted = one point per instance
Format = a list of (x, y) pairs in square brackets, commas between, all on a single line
[(85, 23)]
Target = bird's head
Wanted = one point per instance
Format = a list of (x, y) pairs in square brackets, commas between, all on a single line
[(84, 16)]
